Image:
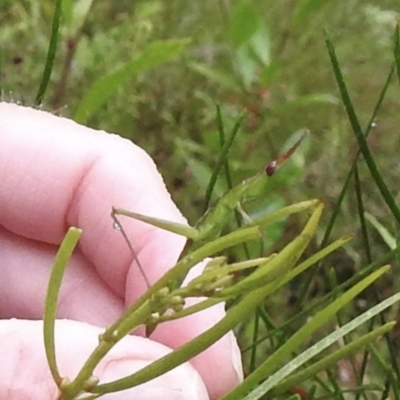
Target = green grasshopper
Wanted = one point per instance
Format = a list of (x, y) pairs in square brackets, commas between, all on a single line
[(205, 240), (211, 224)]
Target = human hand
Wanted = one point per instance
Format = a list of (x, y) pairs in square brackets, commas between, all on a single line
[(55, 174)]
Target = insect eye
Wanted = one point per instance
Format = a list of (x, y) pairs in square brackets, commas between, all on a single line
[(271, 168)]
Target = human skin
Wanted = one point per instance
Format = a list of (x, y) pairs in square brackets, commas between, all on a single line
[(55, 174)]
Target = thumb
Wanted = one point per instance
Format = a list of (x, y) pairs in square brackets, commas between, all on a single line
[(24, 372)]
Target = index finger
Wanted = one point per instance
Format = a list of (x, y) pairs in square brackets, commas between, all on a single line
[(56, 173)]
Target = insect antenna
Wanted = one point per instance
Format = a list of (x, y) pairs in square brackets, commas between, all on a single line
[(273, 165), (118, 226)]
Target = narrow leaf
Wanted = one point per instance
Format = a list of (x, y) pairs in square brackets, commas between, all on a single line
[(216, 77), (323, 344), (397, 49), (50, 310), (306, 8), (384, 233), (332, 359), (387, 196), (51, 53), (244, 22), (156, 53), (343, 191), (275, 360), (223, 153)]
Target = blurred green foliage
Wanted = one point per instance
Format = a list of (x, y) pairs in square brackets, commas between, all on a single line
[(153, 72)]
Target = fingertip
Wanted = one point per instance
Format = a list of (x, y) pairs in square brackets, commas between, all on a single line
[(24, 372)]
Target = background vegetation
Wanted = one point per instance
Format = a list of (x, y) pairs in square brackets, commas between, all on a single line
[(153, 71)]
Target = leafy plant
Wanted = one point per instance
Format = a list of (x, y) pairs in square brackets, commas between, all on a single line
[(268, 59)]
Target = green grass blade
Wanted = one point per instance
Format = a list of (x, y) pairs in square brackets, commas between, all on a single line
[(397, 49), (339, 201), (383, 232), (331, 359), (222, 140), (222, 159), (50, 310), (217, 78), (337, 290), (361, 216), (256, 329), (317, 348), (343, 191), (155, 54), (51, 53), (387, 196), (337, 393), (384, 364), (275, 360)]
